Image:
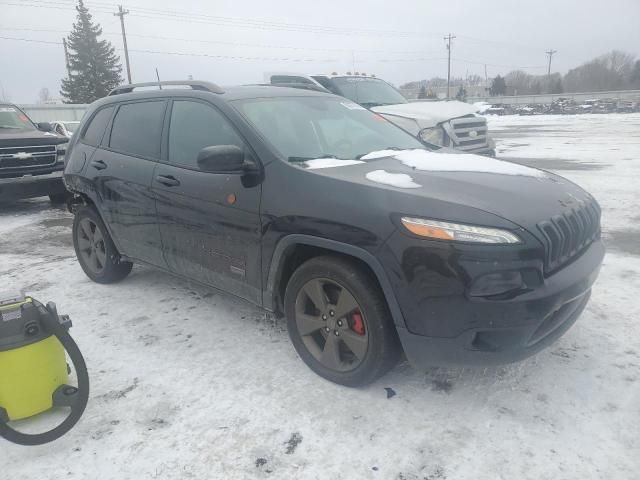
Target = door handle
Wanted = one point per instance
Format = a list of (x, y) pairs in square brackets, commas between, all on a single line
[(98, 164), (167, 180)]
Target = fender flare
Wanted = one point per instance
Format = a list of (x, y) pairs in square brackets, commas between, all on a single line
[(84, 196), (279, 253)]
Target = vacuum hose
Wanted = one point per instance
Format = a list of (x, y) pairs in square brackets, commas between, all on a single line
[(65, 396)]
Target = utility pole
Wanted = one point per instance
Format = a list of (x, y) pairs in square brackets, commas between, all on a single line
[(66, 57), (550, 54), (486, 80), (448, 38), (121, 13)]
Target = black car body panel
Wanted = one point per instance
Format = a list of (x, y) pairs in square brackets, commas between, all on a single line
[(451, 302)]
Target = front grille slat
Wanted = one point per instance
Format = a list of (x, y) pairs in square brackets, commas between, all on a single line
[(566, 236), (27, 156), (459, 130)]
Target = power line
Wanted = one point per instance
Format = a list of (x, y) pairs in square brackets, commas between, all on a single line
[(448, 38), (188, 54), (235, 44), (227, 21), (31, 40), (121, 13), (60, 6), (516, 67)]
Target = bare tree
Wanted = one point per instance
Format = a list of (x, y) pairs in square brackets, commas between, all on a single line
[(610, 71)]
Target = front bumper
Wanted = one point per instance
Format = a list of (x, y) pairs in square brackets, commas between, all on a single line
[(31, 186), (453, 328)]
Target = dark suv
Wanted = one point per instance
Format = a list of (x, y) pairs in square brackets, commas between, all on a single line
[(31, 157), (315, 208)]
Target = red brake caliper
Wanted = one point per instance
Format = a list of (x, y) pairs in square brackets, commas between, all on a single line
[(357, 324)]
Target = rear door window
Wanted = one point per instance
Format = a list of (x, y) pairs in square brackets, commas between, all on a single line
[(193, 126), (137, 129), (94, 132)]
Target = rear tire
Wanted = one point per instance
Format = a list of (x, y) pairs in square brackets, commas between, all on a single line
[(95, 250), (318, 294)]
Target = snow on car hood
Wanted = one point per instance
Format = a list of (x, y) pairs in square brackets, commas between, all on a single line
[(428, 114), (399, 180), (329, 162), (455, 162), (427, 160), (523, 195)]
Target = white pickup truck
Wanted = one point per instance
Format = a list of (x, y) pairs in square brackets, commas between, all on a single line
[(451, 123)]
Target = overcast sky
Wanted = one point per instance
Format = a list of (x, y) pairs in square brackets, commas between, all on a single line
[(398, 41)]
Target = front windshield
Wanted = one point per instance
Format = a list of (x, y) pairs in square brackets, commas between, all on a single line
[(303, 128), (13, 119), (369, 92)]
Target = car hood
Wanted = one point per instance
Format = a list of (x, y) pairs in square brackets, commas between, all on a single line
[(428, 114), (29, 138), (521, 195)]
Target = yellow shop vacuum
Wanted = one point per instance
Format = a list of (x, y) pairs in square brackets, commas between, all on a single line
[(34, 373)]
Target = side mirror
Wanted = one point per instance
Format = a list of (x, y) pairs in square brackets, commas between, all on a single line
[(44, 126), (222, 159)]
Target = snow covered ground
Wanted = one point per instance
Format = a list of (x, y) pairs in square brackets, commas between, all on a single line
[(189, 383)]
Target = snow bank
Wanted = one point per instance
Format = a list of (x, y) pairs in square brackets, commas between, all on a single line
[(400, 180)]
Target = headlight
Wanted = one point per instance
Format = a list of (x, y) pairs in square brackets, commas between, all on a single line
[(458, 232), (60, 151), (433, 135)]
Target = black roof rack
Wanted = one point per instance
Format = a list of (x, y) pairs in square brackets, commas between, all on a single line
[(194, 84)]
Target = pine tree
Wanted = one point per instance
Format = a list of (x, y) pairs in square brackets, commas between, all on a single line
[(498, 86), (557, 87), (94, 66)]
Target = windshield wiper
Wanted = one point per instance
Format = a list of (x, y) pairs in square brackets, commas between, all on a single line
[(306, 159), (10, 127)]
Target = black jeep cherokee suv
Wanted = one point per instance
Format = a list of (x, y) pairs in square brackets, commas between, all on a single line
[(317, 209), (31, 157)]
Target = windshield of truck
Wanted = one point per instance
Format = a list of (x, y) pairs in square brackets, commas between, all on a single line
[(13, 119), (369, 92), (71, 126), (304, 128)]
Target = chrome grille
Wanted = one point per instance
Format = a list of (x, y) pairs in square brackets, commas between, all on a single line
[(461, 131), (21, 157), (567, 235)]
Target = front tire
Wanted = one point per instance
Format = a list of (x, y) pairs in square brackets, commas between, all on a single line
[(339, 322), (95, 250)]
